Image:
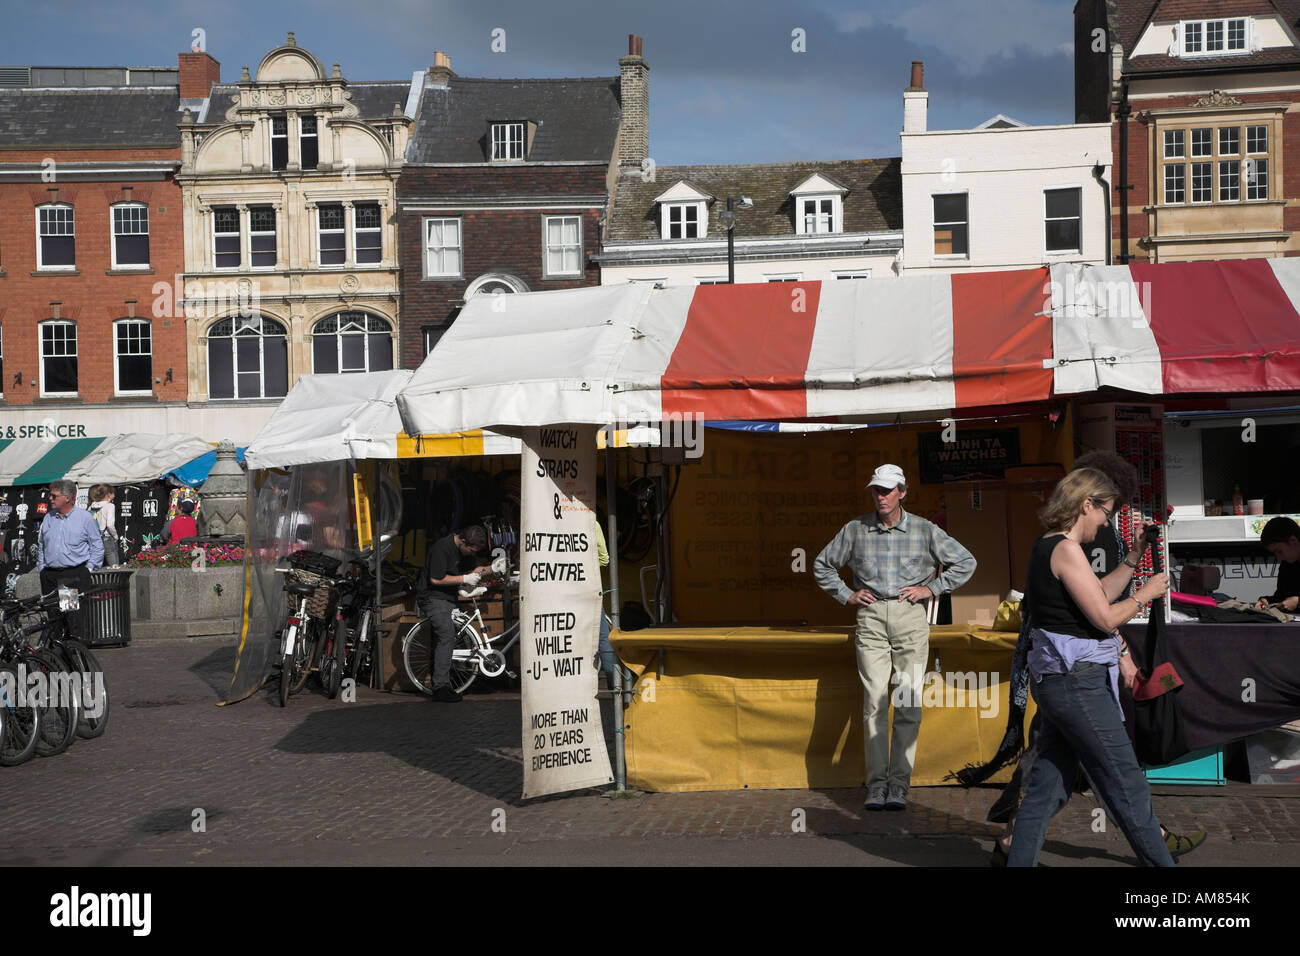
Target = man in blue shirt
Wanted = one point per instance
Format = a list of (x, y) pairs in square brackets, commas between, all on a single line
[(69, 546)]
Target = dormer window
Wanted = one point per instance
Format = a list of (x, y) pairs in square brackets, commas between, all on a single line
[(818, 206), (683, 212), (507, 142), (819, 215), (1214, 37), (682, 220)]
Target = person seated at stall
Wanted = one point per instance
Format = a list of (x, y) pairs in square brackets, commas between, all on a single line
[(1281, 538), (183, 525)]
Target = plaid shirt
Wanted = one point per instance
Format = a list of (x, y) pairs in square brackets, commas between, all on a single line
[(886, 560)]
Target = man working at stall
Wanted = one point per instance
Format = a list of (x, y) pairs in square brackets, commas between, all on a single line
[(1281, 538), (68, 547), (899, 561), (446, 570)]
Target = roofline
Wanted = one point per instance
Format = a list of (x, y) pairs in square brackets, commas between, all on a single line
[(658, 250), (1005, 129), (513, 164), (661, 169), (89, 89), (1212, 71)]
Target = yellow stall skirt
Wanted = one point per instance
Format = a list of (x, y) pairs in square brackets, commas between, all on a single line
[(729, 708)]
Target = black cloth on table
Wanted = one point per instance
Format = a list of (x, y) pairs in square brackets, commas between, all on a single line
[(1216, 661)]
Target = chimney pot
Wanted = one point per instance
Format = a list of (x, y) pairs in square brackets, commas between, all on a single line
[(918, 75), (633, 45), (291, 41)]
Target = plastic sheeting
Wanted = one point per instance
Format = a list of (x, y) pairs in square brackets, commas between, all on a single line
[(115, 460), (305, 509)]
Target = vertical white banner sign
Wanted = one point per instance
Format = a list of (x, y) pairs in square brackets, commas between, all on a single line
[(559, 595)]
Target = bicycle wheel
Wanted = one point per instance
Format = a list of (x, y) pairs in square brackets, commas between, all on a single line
[(60, 710), (286, 673), (417, 656), (304, 654), (22, 723), (465, 658), (87, 666), (331, 667)]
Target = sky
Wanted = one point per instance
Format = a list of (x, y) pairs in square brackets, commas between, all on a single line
[(731, 81)]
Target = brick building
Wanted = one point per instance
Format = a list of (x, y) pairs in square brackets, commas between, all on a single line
[(90, 243), (1202, 96), (506, 185)]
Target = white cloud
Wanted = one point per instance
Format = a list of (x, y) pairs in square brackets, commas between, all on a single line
[(1000, 26)]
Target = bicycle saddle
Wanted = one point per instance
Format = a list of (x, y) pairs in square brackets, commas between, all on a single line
[(303, 590), (477, 592)]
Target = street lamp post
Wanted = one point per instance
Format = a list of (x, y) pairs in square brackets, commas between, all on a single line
[(728, 219)]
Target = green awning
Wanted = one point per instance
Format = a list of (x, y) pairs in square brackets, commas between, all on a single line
[(58, 460)]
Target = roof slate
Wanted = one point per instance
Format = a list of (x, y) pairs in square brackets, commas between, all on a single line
[(873, 203), (74, 118), (578, 118)]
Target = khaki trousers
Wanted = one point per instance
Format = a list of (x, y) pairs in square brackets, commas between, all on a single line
[(891, 636)]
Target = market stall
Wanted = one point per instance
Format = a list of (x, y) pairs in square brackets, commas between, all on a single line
[(335, 439), (944, 349)]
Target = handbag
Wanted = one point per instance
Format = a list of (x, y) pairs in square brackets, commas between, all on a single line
[(1158, 735)]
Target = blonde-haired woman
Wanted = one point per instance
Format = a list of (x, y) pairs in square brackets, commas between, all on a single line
[(1075, 667)]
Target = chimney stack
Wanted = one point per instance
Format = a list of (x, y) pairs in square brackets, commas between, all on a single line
[(916, 101), (198, 71), (440, 72), (634, 97)]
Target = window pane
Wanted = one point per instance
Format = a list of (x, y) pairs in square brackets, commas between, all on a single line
[(134, 373), (367, 216), (226, 254), (1202, 182), (1062, 202), (1202, 142), (332, 251), (1229, 140), (1192, 38), (226, 220), (1230, 180), (1062, 235), (1257, 139), (58, 251), (221, 369), (354, 353), (61, 374), (248, 355), (1258, 187), (1236, 34), (132, 250), (275, 351), (324, 353), (1214, 36), (369, 246), (381, 351), (950, 208), (950, 240), (261, 219), (1175, 183), (1174, 144), (262, 250), (331, 217), (248, 384)]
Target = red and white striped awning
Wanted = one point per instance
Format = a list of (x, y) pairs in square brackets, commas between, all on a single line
[(786, 350), (854, 349), (1227, 326)]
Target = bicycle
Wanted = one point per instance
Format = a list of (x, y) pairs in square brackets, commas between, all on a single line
[(39, 668), (472, 651), (358, 613), (314, 594)]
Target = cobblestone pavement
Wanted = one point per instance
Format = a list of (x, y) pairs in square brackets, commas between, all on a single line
[(394, 778)]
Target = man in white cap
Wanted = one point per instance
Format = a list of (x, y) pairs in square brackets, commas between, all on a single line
[(899, 561)]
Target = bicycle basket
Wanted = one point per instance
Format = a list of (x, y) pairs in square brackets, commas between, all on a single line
[(324, 601), (314, 562)]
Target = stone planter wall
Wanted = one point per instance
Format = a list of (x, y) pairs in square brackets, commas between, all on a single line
[(177, 602)]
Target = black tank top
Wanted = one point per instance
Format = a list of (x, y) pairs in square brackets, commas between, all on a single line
[(1050, 604)]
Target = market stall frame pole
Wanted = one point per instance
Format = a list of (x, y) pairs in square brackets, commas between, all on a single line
[(611, 538)]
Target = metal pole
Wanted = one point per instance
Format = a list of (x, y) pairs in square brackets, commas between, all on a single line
[(611, 545), (731, 242), (377, 624)]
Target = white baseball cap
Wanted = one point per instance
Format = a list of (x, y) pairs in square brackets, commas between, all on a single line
[(887, 477)]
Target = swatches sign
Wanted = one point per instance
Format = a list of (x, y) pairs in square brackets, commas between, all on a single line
[(564, 742)]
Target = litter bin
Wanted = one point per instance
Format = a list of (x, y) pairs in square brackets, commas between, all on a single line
[(107, 609)]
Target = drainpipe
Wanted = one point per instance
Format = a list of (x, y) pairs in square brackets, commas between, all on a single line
[(1097, 170), (1124, 186)]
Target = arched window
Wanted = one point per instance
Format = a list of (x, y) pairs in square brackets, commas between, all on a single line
[(352, 342), (248, 357), (495, 283)]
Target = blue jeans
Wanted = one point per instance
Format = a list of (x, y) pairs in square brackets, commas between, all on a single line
[(608, 659), (1081, 726)]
